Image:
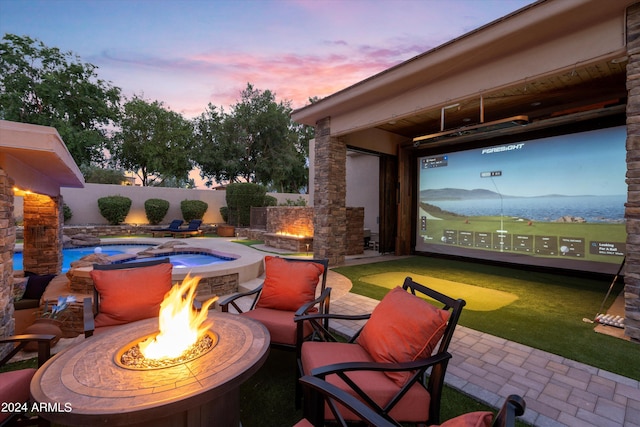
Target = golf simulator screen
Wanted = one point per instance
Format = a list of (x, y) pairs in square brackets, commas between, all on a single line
[(554, 202)]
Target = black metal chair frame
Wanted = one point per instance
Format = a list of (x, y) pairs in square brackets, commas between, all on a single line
[(44, 353), (429, 372), (322, 302), (513, 406), (333, 396)]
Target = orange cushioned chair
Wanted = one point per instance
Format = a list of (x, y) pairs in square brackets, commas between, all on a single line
[(396, 363), (338, 401), (15, 385), (126, 293), (289, 289)]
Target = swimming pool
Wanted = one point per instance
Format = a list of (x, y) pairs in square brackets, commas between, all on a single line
[(179, 259)]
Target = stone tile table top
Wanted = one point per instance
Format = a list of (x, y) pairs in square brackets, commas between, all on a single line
[(88, 387)]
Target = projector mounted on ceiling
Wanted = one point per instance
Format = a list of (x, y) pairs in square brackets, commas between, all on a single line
[(468, 130)]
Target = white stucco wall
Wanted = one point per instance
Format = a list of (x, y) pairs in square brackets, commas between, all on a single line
[(363, 186), (84, 202)]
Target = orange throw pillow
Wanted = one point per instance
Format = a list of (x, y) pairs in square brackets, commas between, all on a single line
[(472, 419), (131, 294), (288, 284), (402, 328)]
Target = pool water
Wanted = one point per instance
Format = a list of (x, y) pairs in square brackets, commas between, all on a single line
[(179, 260), (188, 260)]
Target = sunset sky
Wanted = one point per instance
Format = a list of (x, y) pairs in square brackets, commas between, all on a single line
[(190, 53)]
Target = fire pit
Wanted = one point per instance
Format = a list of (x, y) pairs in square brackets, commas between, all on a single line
[(131, 357), (90, 388)]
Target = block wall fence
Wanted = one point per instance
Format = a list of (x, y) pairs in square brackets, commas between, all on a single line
[(84, 202)]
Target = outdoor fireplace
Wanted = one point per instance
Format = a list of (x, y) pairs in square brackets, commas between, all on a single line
[(290, 228), (289, 242)]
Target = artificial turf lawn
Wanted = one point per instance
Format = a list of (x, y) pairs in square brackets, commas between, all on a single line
[(546, 315), (476, 297)]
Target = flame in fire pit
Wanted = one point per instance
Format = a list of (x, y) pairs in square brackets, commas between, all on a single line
[(180, 324)]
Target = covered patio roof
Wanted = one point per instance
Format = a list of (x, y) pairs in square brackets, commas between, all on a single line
[(36, 158), (550, 63)]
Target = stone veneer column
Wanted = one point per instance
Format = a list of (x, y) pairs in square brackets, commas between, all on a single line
[(632, 211), (7, 243), (43, 221), (329, 197)]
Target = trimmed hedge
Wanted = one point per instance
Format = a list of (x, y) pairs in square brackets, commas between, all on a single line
[(114, 208), (193, 209), (156, 210)]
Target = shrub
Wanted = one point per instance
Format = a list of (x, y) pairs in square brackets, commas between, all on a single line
[(193, 209), (270, 201), (156, 209), (98, 175), (114, 208), (300, 202), (224, 212), (240, 197), (67, 214)]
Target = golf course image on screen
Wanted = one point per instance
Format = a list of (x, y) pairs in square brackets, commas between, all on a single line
[(556, 202)]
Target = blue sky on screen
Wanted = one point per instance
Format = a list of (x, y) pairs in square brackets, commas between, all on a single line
[(588, 163)]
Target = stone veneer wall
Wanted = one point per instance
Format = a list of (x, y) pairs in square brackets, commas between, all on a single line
[(43, 221), (632, 210), (294, 220), (299, 221), (355, 231), (7, 242), (329, 195), (208, 287), (111, 230)]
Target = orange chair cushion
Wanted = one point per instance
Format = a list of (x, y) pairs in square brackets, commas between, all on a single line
[(472, 419), (402, 328), (279, 323), (14, 387), (414, 405), (288, 285), (130, 294)]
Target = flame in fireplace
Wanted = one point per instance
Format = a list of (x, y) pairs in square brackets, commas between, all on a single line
[(286, 234), (180, 324)]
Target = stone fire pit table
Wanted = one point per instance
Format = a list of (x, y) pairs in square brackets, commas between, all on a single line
[(88, 388)]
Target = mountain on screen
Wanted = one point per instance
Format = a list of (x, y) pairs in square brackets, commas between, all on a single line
[(459, 194), (476, 194)]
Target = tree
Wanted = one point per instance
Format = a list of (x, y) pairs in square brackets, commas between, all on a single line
[(215, 151), (45, 86), (257, 142), (97, 175), (153, 142)]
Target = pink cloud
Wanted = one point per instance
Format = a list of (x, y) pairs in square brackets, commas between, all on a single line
[(218, 76)]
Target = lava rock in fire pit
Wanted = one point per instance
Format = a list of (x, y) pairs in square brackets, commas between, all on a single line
[(132, 358)]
